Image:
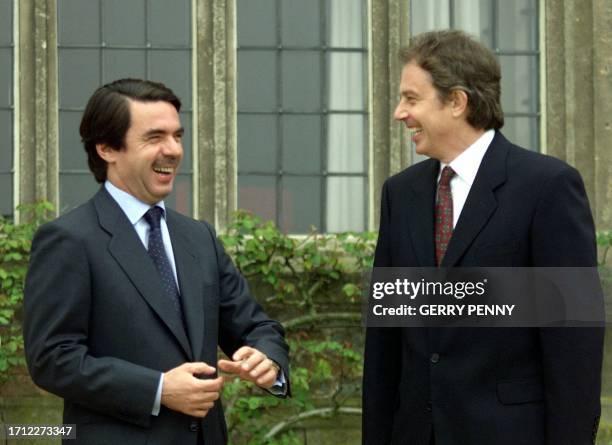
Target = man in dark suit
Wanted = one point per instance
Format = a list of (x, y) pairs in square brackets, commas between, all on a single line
[(126, 300), (479, 201)]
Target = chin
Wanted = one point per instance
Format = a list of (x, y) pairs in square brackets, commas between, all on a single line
[(422, 151), (160, 195)]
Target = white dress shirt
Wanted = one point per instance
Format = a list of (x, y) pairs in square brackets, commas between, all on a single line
[(466, 166)]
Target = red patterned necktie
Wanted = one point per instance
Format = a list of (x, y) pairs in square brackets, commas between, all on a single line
[(444, 214)]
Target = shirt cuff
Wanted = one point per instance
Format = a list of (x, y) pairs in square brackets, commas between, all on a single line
[(280, 386), (157, 403)]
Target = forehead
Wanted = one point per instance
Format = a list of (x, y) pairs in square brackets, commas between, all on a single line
[(159, 114), (415, 78)]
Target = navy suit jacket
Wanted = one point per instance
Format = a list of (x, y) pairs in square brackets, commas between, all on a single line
[(514, 386), (98, 329)]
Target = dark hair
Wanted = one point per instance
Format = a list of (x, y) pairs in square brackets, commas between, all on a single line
[(456, 61), (106, 119)]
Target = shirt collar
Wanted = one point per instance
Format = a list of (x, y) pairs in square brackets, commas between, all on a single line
[(467, 163), (133, 208)]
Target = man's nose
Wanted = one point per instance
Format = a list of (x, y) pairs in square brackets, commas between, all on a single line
[(173, 147), (400, 113)]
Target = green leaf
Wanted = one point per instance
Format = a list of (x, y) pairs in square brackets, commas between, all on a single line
[(350, 289)]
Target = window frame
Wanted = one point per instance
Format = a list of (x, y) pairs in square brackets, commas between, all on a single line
[(324, 113), (147, 47)]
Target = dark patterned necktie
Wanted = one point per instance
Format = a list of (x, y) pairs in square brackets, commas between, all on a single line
[(444, 213), (158, 254)]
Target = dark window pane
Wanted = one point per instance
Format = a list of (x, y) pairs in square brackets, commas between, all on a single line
[(124, 22), (301, 204), (75, 189), (519, 83), (6, 141), (518, 25), (186, 165), (298, 100), (78, 22), (170, 22), (345, 23), (120, 63), (256, 22), (345, 143), (257, 81), (6, 77), (346, 81), (72, 153), (258, 194), (6, 116), (181, 197), (173, 68), (302, 144), (301, 80), (522, 131), (257, 143), (80, 72), (346, 204), (79, 76), (301, 23), (6, 22), (6, 197)]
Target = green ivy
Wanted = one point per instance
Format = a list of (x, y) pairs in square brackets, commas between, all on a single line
[(15, 242), (604, 240), (315, 282)]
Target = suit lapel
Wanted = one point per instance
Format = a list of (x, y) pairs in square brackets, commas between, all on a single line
[(420, 213), (481, 201), (190, 283), (128, 251)]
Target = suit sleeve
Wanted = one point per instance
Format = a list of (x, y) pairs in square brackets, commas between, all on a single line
[(242, 321), (563, 235), (57, 305), (382, 348)]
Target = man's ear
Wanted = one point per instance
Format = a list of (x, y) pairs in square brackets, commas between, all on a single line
[(459, 102), (106, 152)]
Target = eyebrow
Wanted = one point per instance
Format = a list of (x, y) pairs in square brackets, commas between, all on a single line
[(159, 131), (408, 92)]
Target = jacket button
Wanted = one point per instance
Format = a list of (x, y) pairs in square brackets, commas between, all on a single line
[(435, 357), (193, 426)]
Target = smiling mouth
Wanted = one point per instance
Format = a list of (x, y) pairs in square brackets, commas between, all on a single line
[(164, 170), (415, 131)]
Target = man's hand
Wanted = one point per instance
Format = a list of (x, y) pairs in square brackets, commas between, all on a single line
[(252, 365), (182, 391)]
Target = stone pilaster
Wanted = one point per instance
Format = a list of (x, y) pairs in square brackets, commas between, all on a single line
[(38, 102), (216, 110), (579, 95), (390, 150)]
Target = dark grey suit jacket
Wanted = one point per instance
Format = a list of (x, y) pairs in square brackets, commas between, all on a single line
[(483, 386), (98, 330)]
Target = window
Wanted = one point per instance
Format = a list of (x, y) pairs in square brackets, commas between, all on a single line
[(6, 108), (302, 113), (510, 28), (103, 40)]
